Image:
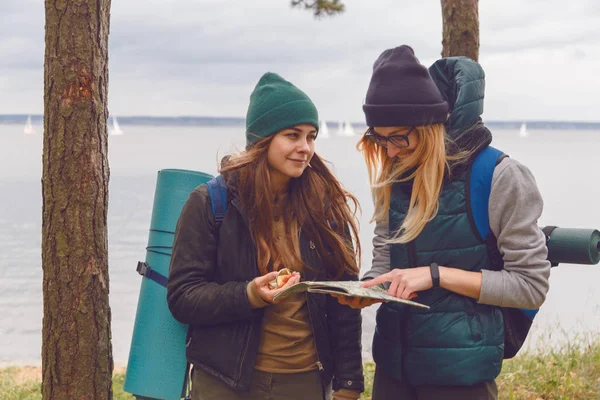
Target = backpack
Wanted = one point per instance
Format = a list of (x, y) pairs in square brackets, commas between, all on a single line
[(517, 321)]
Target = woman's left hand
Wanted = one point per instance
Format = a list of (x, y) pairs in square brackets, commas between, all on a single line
[(405, 283)]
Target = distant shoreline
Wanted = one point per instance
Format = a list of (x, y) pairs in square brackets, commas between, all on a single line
[(238, 121)]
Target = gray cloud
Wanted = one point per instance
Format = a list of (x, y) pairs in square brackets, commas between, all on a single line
[(203, 57), (21, 35)]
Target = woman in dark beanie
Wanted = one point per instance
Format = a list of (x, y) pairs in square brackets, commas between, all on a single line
[(427, 241), (284, 210)]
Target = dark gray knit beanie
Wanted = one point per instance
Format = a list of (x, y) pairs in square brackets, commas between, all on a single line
[(402, 93)]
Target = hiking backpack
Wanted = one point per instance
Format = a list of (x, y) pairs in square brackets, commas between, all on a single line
[(517, 321)]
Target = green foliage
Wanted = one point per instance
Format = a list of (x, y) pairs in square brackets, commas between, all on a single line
[(369, 372), (569, 372), (118, 393), (10, 390), (14, 388), (320, 7)]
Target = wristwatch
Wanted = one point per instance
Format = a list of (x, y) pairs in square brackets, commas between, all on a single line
[(435, 274)]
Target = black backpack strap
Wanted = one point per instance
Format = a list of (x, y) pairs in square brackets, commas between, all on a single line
[(547, 232), (145, 270)]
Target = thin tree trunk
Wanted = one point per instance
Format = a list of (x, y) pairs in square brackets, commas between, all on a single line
[(76, 342), (460, 28)]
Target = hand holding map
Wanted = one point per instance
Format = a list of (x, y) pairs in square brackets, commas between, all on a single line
[(344, 288)]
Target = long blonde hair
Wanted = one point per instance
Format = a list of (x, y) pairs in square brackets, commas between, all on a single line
[(425, 166), (317, 204)]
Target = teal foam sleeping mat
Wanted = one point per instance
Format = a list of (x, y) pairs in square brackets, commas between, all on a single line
[(157, 365)]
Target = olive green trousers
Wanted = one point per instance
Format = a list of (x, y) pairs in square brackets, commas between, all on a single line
[(264, 386)]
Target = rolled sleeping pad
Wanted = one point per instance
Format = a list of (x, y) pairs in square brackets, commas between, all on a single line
[(572, 246), (157, 364)]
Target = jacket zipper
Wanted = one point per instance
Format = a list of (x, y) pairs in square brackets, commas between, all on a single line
[(239, 374), (412, 254), (255, 257), (319, 363), (312, 328)]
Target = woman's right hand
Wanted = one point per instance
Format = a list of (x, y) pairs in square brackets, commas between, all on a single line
[(261, 284), (356, 302)]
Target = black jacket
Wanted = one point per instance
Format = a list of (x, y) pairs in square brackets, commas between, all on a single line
[(208, 276)]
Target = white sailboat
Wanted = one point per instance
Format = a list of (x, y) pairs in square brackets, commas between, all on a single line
[(348, 129), (323, 129), (116, 129), (523, 130), (340, 131), (28, 130)]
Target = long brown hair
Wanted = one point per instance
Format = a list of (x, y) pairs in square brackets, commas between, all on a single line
[(425, 166), (317, 205)]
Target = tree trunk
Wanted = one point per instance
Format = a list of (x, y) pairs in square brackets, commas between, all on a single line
[(461, 28), (76, 343)]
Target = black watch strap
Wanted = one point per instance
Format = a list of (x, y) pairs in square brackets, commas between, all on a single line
[(435, 274)]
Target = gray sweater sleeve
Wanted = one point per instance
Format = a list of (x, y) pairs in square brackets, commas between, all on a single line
[(514, 208), (381, 252)]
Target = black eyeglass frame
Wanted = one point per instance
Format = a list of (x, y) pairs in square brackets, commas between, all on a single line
[(400, 141)]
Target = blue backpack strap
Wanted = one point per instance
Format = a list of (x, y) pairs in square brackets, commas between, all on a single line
[(218, 198), (480, 187)]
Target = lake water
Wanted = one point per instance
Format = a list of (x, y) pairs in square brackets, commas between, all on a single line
[(565, 163)]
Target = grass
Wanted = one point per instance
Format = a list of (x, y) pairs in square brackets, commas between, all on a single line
[(570, 372), (13, 386), (11, 390)]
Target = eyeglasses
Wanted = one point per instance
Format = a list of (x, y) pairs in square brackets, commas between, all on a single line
[(400, 141)]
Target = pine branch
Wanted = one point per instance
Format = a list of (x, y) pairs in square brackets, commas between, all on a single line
[(320, 7)]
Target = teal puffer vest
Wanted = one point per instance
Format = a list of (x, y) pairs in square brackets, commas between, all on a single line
[(457, 341)]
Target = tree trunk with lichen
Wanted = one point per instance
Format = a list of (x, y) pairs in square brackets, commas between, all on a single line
[(76, 342), (460, 28)]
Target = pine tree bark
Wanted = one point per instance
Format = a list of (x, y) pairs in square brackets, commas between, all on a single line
[(76, 341), (460, 28)]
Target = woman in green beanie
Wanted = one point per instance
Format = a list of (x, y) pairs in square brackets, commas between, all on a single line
[(438, 238), (284, 209)]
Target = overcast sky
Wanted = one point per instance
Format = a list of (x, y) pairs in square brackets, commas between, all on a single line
[(203, 57)]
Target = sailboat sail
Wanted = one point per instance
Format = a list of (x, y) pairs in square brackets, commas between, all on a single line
[(348, 129), (28, 130), (523, 130), (116, 129), (340, 130), (323, 129)]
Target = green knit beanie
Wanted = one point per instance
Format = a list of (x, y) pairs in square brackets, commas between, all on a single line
[(276, 104)]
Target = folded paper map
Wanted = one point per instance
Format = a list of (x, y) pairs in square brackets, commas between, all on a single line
[(344, 288)]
